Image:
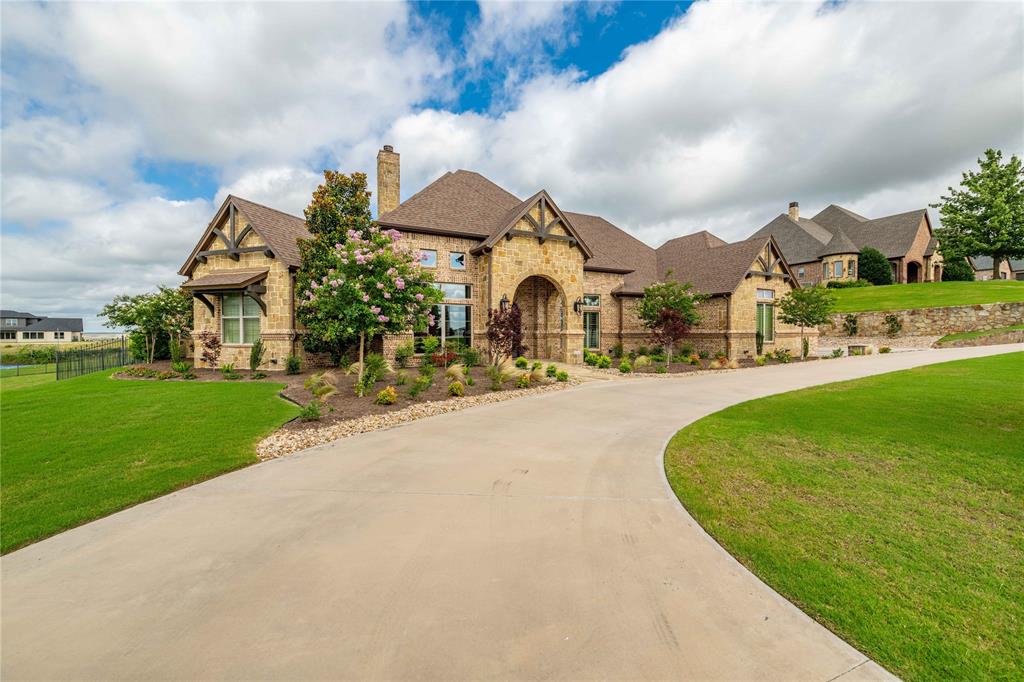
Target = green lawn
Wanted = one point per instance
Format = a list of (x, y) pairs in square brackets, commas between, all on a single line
[(12, 381), (860, 503), (927, 295), (978, 334), (76, 450)]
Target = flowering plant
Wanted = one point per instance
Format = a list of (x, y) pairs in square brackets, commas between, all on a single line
[(374, 285)]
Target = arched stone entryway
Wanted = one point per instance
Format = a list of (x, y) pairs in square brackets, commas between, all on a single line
[(913, 272), (543, 307)]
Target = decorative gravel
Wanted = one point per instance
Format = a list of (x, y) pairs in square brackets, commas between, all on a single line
[(287, 441)]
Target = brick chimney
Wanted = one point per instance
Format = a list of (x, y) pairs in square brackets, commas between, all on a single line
[(388, 180), (794, 207)]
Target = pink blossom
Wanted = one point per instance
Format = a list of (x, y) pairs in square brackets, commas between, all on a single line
[(419, 297), (387, 295), (380, 285), (382, 318), (366, 298), (400, 283), (374, 309)]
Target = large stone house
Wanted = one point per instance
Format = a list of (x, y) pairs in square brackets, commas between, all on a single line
[(826, 247), (1008, 269), (577, 278)]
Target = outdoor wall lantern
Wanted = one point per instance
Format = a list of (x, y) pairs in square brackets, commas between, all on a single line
[(577, 306), (503, 302)]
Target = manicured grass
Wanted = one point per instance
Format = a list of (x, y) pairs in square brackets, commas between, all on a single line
[(75, 450), (979, 334), (11, 381), (890, 509), (927, 295)]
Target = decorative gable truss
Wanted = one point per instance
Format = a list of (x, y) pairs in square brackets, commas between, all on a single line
[(232, 239), (770, 263), (540, 218)]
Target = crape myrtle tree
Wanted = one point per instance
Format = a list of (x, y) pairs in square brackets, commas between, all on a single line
[(806, 307), (984, 216), (137, 314), (873, 266), (175, 309), (373, 285), (669, 310), (340, 203)]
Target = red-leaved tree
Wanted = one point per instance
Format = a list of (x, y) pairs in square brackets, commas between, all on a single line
[(505, 334)]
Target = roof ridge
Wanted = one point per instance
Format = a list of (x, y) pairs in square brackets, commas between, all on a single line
[(269, 208)]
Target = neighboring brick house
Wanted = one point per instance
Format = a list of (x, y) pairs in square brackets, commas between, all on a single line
[(576, 277), (1008, 269), (826, 247), (29, 328)]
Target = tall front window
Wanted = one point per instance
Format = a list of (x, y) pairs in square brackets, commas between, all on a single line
[(824, 270), (766, 314), (592, 329), (452, 321), (851, 268), (838, 268), (240, 319)]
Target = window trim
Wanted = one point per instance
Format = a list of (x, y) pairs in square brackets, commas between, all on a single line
[(242, 317), (591, 296), (33, 336), (8, 335), (837, 268), (851, 267), (10, 322), (451, 260), (760, 319)]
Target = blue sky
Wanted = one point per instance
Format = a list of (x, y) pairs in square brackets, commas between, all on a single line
[(125, 125)]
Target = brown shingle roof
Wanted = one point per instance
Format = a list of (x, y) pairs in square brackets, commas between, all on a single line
[(892, 235), (462, 203), (614, 249), (280, 231), (226, 279), (713, 269)]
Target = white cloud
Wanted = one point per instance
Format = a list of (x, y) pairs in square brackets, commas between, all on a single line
[(736, 109), (285, 188)]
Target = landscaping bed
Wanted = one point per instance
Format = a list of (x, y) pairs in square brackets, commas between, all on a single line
[(860, 504), (644, 364)]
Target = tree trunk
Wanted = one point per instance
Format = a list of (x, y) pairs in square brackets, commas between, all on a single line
[(996, 262), (150, 346), (802, 354), (668, 355), (359, 381)]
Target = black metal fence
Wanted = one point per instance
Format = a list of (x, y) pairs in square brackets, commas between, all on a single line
[(92, 358), (25, 370)]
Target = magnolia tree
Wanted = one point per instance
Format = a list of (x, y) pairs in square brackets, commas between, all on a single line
[(374, 285), (669, 310), (806, 307)]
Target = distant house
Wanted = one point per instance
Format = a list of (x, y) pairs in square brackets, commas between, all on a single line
[(27, 327), (1008, 269), (826, 247)]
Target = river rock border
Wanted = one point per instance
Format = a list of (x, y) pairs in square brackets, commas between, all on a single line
[(286, 441)]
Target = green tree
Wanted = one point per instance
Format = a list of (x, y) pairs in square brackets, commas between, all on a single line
[(340, 204), (806, 307), (985, 215), (669, 310), (140, 313), (374, 285), (874, 267), (956, 269), (174, 307)]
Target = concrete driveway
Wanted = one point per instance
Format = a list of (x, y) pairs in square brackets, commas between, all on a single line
[(535, 538)]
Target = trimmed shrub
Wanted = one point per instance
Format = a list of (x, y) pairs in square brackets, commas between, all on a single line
[(703, 355), (837, 352), (562, 376), (847, 283), (181, 366), (293, 365), (616, 351), (885, 349), (403, 353), (430, 344), (386, 396), (874, 266), (537, 364), (660, 369), (604, 362), (421, 384), (783, 355), (625, 367), (470, 356), (523, 381), (311, 412), (761, 360), (957, 270), (642, 361), (456, 389), (590, 358), (521, 362), (551, 371)]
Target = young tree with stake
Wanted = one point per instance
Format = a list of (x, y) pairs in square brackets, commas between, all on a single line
[(806, 307), (669, 310)]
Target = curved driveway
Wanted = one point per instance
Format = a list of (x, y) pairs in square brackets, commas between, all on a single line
[(535, 538)]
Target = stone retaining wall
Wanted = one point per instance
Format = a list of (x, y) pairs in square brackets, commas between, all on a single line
[(933, 321)]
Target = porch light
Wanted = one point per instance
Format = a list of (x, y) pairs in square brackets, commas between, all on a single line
[(504, 302), (577, 306)]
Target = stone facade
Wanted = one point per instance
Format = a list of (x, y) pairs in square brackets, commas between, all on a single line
[(277, 326), (933, 321)]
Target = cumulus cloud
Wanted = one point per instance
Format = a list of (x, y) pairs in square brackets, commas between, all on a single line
[(735, 109)]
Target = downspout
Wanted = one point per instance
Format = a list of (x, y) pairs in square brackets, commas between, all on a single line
[(291, 312), (728, 326)]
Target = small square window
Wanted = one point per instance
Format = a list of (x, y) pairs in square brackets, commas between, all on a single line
[(592, 300), (765, 294), (458, 260), (800, 272), (428, 258)]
